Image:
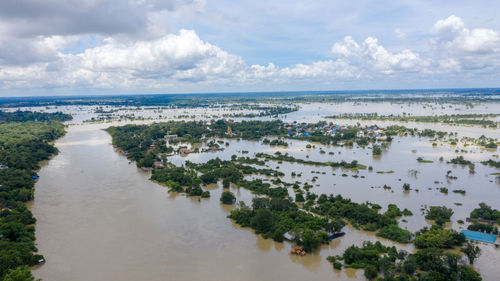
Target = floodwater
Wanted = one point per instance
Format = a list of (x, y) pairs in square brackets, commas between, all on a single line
[(100, 218)]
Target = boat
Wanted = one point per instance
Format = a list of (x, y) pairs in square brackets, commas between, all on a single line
[(336, 235)]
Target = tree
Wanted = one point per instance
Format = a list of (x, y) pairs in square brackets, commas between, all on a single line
[(21, 273), (439, 214), (376, 150), (471, 251), (263, 220), (299, 197), (335, 225), (410, 265), (227, 197), (370, 272), (310, 240)]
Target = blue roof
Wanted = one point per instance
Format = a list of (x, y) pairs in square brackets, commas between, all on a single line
[(479, 236)]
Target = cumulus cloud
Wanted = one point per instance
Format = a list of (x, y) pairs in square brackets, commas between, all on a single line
[(30, 28), (370, 57), (182, 56), (463, 48), (183, 60), (453, 36)]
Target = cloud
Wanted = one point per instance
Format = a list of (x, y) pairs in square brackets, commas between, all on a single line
[(453, 36), (30, 28), (400, 34), (370, 58), (181, 57), (468, 49), (73, 17), (181, 61)]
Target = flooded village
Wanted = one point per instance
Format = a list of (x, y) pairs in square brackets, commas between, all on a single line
[(294, 196)]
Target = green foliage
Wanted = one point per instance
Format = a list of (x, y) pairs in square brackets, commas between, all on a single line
[(439, 214), (425, 265), (287, 158), (137, 140), (370, 272), (460, 161), (21, 273), (274, 217), (471, 251), (458, 119), (395, 233), (376, 150), (299, 197), (366, 215), (483, 227), (22, 147), (439, 238), (486, 212), (227, 197), (25, 116)]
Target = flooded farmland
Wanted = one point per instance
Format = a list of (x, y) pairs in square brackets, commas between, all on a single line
[(99, 217)]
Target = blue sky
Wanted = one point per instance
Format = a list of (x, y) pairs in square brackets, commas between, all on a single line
[(58, 47)]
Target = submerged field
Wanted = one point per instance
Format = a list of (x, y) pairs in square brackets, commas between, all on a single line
[(128, 227)]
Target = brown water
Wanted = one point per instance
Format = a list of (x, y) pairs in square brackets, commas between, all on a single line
[(100, 218)]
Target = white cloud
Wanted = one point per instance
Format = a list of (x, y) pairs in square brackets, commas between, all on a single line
[(455, 37), (172, 62), (371, 58), (400, 34), (183, 57)]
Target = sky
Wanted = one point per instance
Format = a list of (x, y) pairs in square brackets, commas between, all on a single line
[(75, 47)]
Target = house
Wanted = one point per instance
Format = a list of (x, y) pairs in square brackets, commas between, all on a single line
[(183, 151), (158, 164), (230, 132), (170, 137)]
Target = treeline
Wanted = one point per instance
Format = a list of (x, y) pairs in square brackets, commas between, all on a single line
[(365, 215), (22, 147), (491, 162), (189, 178), (278, 156), (485, 212), (136, 140), (24, 116), (430, 263), (272, 218), (457, 119), (464, 96)]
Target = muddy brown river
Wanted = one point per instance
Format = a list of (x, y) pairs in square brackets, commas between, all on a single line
[(100, 218)]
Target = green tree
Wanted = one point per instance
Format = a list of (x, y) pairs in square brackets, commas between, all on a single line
[(310, 240), (21, 273), (471, 251), (370, 272), (227, 197), (263, 220), (335, 225)]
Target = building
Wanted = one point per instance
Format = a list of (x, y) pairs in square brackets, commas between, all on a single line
[(158, 164), (183, 151)]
